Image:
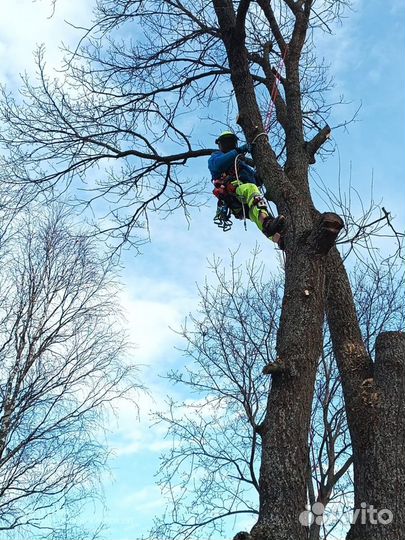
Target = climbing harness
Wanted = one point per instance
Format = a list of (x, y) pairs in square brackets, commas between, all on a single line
[(228, 203), (224, 190)]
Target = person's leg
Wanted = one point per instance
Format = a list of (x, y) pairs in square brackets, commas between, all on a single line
[(258, 211), (250, 194)]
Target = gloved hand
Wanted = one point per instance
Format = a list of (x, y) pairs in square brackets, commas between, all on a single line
[(244, 148)]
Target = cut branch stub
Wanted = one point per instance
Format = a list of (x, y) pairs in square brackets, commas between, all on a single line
[(243, 535), (325, 232), (312, 147), (274, 368)]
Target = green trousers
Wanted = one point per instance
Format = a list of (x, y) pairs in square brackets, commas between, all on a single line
[(246, 193)]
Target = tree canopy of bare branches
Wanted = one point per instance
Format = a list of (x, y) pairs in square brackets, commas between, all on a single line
[(62, 365), (116, 117)]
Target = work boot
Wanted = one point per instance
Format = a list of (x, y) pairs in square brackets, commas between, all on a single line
[(273, 225), (279, 240)]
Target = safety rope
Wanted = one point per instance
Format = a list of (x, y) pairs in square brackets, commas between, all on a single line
[(273, 96), (237, 178), (274, 91), (263, 133)]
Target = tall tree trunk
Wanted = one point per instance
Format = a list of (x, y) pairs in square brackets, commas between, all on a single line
[(285, 429), (375, 405)]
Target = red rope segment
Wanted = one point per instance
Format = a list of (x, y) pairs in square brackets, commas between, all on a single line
[(274, 91)]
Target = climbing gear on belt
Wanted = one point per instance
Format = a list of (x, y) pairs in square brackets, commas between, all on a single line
[(223, 216)]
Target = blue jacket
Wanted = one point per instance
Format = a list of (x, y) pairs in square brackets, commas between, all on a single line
[(220, 162)]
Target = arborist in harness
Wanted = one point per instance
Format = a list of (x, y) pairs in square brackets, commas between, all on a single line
[(236, 187)]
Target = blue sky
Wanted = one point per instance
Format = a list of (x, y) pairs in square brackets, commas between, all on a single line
[(366, 54)]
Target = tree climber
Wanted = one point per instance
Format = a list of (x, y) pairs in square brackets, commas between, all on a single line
[(236, 188)]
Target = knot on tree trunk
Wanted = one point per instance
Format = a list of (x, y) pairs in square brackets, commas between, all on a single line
[(323, 236)]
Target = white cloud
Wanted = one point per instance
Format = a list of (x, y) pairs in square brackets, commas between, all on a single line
[(24, 24), (146, 500), (160, 286), (149, 323)]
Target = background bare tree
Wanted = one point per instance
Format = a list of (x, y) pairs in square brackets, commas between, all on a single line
[(62, 363)]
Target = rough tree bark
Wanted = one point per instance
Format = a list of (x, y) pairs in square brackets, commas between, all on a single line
[(374, 397), (285, 429)]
